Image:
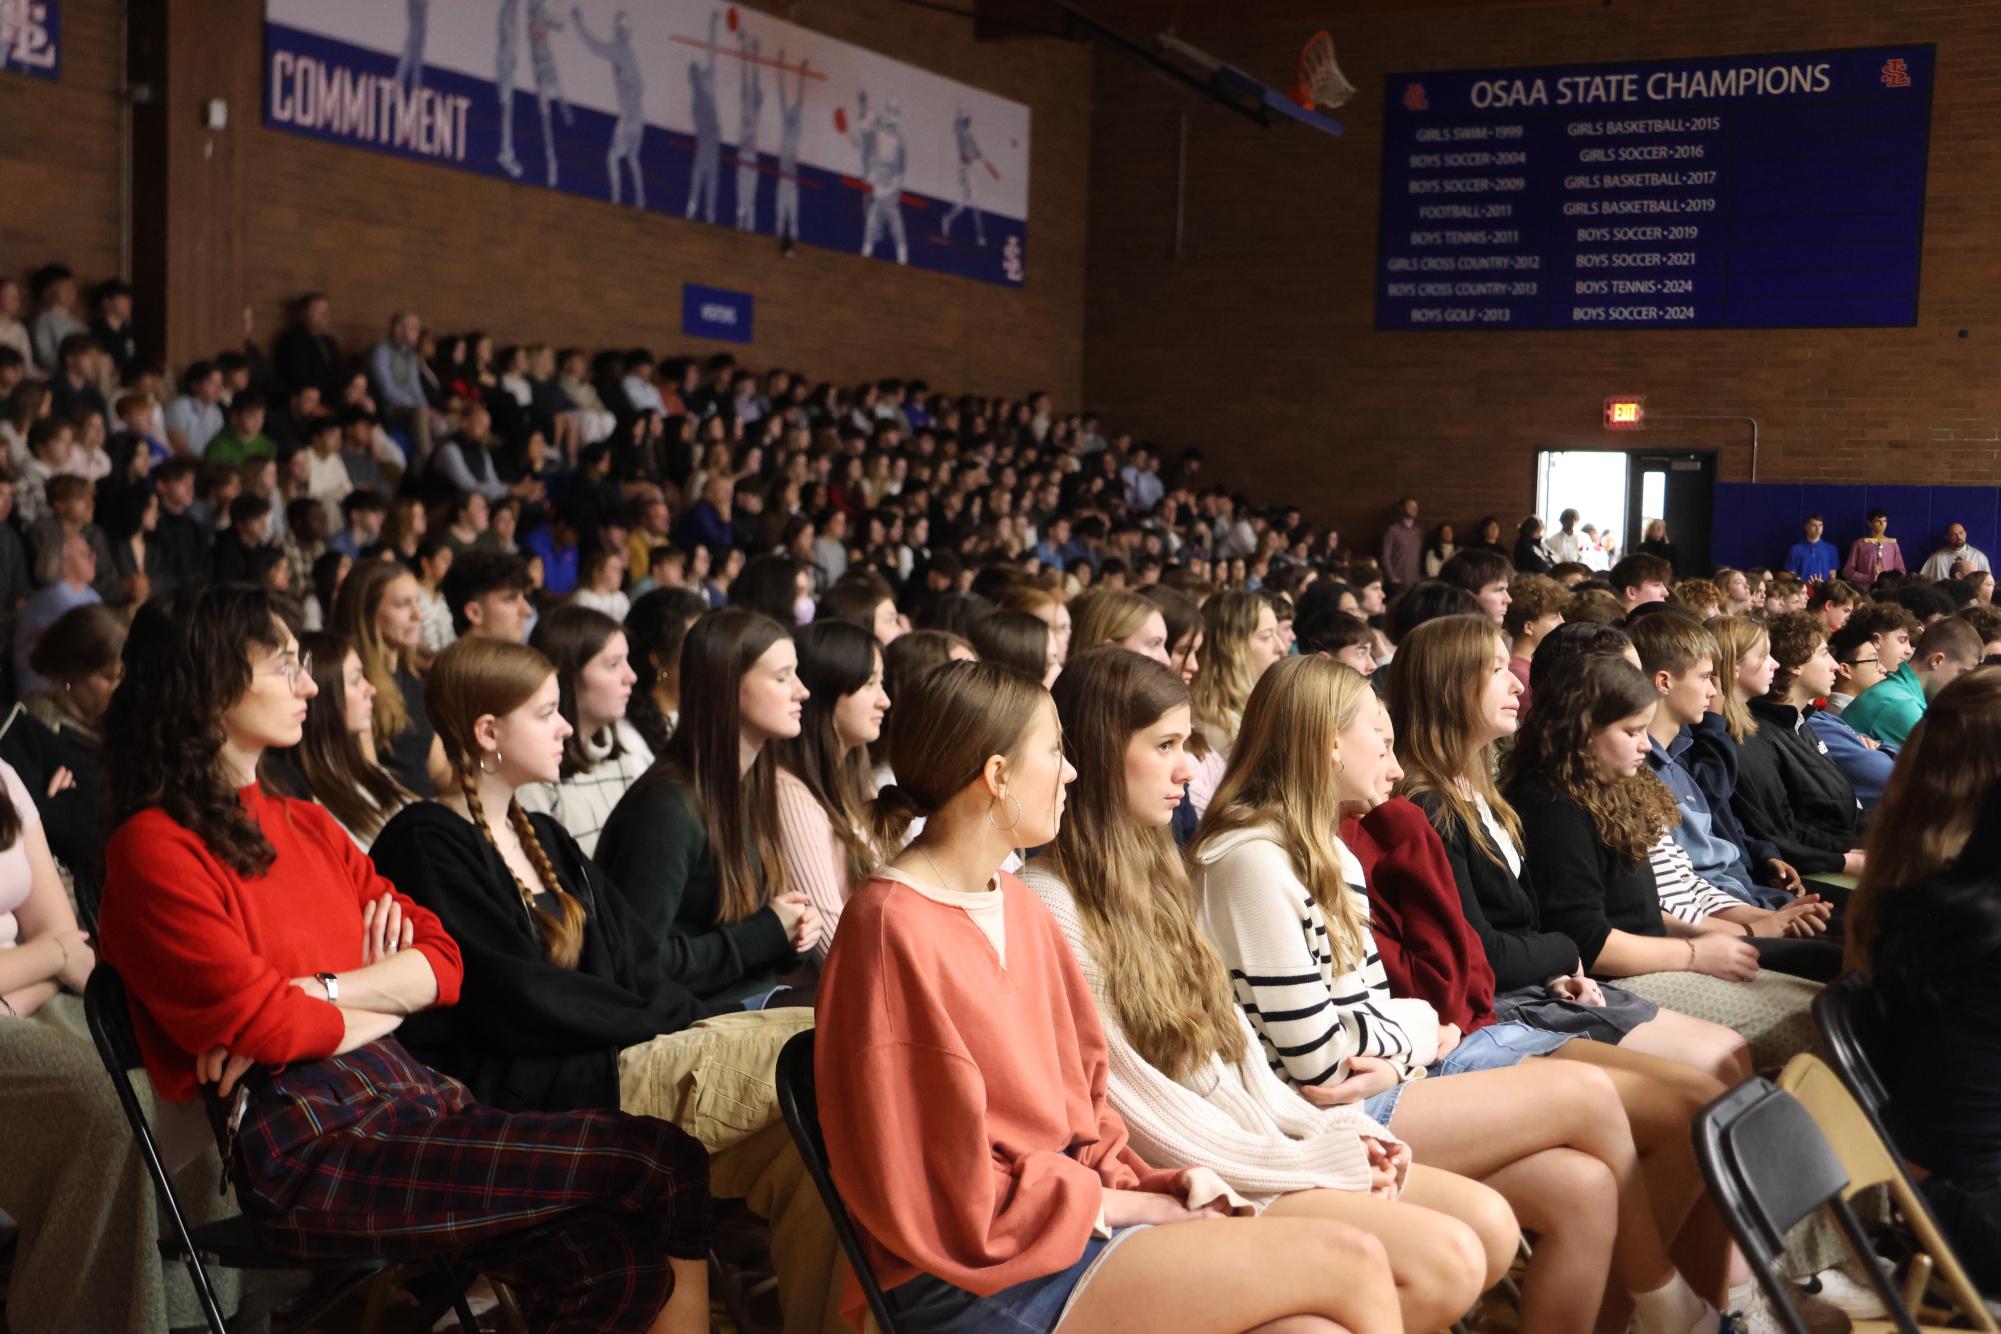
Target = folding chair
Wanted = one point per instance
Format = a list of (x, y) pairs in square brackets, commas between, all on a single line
[(232, 1243), (1850, 1017), (1768, 1168), (798, 1103), (1868, 1160)]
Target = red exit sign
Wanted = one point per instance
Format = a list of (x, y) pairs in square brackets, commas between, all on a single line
[(1625, 412)]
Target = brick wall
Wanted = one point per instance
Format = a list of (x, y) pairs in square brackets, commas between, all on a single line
[(524, 263), (59, 152), (1259, 341)]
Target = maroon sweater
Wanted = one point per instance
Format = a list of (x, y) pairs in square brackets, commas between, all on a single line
[(1429, 949)]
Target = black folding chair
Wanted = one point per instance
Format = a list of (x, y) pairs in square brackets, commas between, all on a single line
[(1850, 1017), (232, 1243), (1768, 1168), (798, 1103)]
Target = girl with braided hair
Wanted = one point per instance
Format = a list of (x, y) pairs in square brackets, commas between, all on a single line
[(271, 967), (567, 1002)]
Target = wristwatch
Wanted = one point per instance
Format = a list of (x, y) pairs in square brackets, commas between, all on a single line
[(332, 985)]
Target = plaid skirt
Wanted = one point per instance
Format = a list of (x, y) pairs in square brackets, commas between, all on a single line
[(372, 1154)]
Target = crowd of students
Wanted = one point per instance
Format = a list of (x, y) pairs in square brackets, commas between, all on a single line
[(478, 778)]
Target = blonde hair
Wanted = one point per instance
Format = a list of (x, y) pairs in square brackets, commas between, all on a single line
[(360, 598), (1165, 984), (1435, 687), (1736, 638), (1279, 776), (1108, 615), (474, 678), (1223, 681)]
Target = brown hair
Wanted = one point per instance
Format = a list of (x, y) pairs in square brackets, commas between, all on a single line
[(1166, 986), (836, 659), (1948, 765), (1436, 682), (570, 636), (362, 795), (1581, 697), (1670, 642), (474, 678), (1534, 597), (1594, 606), (1278, 776), (950, 721), (1015, 639), (1795, 638), (1952, 637), (1698, 596), (1223, 681)]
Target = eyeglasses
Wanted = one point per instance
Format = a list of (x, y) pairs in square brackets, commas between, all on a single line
[(1860, 662), (295, 670)]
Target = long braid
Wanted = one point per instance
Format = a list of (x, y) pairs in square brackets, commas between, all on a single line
[(563, 937)]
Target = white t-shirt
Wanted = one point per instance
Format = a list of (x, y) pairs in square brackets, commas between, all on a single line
[(16, 874)]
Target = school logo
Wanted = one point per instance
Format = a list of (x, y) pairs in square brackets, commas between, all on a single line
[(1414, 98), (1896, 73)]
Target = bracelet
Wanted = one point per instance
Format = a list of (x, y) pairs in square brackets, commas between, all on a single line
[(1691, 952), (1747, 928), (65, 949)]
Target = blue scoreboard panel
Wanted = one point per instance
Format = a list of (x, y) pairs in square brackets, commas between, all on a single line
[(1733, 192)]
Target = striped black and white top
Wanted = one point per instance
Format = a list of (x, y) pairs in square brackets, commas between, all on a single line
[(1683, 893), (583, 802), (1310, 1014)]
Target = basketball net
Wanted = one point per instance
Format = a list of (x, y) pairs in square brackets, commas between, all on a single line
[(1319, 81)]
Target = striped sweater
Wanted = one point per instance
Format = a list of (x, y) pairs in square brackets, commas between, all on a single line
[(1310, 1015), (1262, 1137), (1684, 894)]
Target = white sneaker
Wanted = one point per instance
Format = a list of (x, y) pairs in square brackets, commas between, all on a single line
[(1747, 1301), (1852, 1296)]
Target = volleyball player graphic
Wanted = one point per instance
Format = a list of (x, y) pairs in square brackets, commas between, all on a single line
[(750, 111), (969, 154), (506, 55), (879, 139), (790, 122), (708, 130), (409, 75), (548, 82), (630, 131)]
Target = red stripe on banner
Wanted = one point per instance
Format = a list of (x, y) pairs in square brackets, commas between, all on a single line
[(702, 44)]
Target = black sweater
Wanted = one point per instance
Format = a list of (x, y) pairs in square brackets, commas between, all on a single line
[(1499, 907), (527, 1035), (656, 846), (1585, 889), (1789, 791)]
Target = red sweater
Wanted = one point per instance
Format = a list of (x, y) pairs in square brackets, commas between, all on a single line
[(964, 1103), (209, 955), (1429, 949)]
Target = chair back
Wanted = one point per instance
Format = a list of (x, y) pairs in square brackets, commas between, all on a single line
[(798, 1104), (1768, 1168), (1851, 1017), (107, 1011), (1867, 1160)]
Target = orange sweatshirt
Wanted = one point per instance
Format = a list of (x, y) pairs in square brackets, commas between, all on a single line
[(963, 1098)]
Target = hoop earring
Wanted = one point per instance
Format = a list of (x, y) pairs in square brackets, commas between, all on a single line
[(1007, 828), (498, 760)]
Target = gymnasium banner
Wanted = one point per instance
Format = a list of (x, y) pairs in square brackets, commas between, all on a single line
[(31, 37), (686, 108)]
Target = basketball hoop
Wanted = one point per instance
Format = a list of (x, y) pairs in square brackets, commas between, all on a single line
[(1319, 81)]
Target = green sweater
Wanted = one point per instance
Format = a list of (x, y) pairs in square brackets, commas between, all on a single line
[(1889, 709), (656, 849), (231, 448)]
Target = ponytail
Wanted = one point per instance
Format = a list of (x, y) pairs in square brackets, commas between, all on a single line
[(890, 816), (563, 931)]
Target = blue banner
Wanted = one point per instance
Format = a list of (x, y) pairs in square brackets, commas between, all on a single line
[(694, 110), (1744, 191), (31, 37), (715, 312)]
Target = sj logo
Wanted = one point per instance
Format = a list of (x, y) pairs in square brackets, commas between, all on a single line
[(1896, 73), (1414, 98), (1011, 264)]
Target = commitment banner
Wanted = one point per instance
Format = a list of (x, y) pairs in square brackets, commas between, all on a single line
[(31, 37), (695, 110)]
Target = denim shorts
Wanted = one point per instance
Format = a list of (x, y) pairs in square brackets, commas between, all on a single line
[(1495, 1047), (928, 1304)]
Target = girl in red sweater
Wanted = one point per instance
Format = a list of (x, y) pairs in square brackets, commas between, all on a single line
[(265, 957), (963, 1079)]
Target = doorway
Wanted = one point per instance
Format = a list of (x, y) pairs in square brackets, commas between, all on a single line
[(1620, 492)]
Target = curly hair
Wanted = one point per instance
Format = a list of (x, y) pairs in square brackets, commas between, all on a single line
[(185, 664), (1581, 698)]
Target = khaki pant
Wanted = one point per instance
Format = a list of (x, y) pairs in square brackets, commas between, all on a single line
[(716, 1080)]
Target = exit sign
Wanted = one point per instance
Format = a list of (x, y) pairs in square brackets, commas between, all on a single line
[(1625, 412)]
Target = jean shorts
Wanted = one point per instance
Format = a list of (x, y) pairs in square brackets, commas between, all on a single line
[(928, 1304), (1495, 1047)]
